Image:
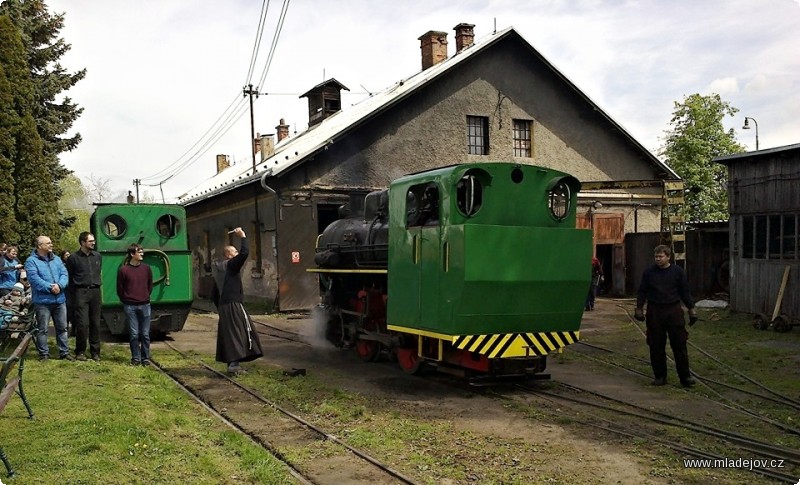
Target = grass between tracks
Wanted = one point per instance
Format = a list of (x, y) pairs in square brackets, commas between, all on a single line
[(112, 423)]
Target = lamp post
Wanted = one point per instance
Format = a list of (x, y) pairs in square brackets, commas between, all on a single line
[(747, 127)]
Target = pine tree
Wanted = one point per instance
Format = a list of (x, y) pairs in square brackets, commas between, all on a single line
[(42, 123), (16, 95), (40, 30)]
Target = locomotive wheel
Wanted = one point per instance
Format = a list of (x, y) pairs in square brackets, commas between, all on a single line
[(409, 361), (368, 350), (782, 324), (761, 321)]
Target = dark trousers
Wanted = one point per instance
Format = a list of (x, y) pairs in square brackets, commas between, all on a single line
[(665, 321), (87, 320)]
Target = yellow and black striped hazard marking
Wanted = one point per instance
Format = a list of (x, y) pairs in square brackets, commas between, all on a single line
[(515, 344)]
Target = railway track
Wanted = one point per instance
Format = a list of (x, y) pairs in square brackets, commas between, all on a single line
[(235, 404), (725, 394), (633, 426)]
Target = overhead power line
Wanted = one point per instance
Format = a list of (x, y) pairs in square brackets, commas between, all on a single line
[(232, 113)]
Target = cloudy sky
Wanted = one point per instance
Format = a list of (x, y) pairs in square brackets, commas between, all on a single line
[(162, 73)]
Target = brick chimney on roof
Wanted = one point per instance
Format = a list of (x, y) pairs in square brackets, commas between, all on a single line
[(433, 45), (282, 130), (222, 163), (464, 36)]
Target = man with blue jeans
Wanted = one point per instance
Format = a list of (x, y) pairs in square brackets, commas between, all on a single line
[(48, 279), (134, 285)]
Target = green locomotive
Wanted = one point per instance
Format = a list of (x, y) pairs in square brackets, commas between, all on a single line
[(161, 230), (476, 266)]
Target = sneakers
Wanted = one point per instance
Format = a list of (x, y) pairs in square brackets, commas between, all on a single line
[(688, 382), (135, 362), (659, 381), (145, 362), (44, 358), (96, 357), (80, 357), (67, 357)]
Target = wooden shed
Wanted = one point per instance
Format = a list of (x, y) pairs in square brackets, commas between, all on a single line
[(764, 205)]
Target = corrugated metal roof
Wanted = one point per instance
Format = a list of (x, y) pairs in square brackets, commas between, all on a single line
[(294, 150)]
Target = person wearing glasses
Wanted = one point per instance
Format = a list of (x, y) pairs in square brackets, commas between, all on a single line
[(83, 267), (134, 285), (48, 279)]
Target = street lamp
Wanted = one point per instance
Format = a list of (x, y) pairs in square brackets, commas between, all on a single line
[(747, 127)]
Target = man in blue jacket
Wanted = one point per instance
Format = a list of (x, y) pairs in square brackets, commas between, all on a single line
[(48, 279)]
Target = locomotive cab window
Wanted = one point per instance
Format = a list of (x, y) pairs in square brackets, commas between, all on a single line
[(422, 205), (469, 193), (168, 226), (559, 198), (114, 226)]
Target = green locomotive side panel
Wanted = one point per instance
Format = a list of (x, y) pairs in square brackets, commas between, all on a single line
[(172, 277), (161, 230), (496, 257), (520, 279)]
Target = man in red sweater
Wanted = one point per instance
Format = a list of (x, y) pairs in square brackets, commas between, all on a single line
[(134, 285)]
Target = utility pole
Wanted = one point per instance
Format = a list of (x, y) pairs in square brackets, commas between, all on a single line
[(136, 182), (249, 91)]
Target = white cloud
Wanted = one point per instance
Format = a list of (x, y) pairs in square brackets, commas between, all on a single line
[(724, 87)]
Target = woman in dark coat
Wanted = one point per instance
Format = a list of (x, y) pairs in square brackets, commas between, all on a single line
[(237, 341)]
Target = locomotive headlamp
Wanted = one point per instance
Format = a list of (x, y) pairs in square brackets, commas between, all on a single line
[(559, 196)]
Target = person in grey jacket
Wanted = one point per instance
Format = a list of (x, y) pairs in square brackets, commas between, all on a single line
[(48, 279)]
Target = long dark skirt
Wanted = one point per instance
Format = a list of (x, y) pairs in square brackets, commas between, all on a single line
[(237, 340)]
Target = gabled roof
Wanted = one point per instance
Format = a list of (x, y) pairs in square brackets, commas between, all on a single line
[(330, 82), (294, 150)]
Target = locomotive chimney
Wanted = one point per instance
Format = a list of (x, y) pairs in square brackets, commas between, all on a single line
[(222, 163), (464, 36), (433, 45), (282, 130)]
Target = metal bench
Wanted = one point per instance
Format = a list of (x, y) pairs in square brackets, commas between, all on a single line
[(12, 384)]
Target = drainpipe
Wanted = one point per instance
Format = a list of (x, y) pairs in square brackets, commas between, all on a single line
[(272, 191)]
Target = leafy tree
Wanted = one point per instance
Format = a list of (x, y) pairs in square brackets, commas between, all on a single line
[(75, 206), (695, 139)]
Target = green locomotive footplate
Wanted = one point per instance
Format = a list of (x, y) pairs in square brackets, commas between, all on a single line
[(516, 344)]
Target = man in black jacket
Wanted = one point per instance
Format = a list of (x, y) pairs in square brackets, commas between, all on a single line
[(664, 286), (237, 340), (83, 267)]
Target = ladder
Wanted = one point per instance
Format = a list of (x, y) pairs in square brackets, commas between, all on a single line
[(673, 220)]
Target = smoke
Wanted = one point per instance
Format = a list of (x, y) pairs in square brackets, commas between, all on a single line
[(314, 329)]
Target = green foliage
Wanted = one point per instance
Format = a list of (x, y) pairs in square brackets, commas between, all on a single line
[(39, 31), (11, 63), (34, 120), (75, 207), (696, 137)]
